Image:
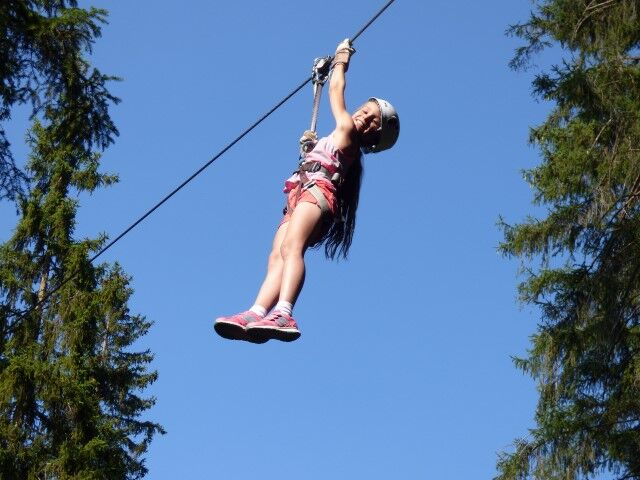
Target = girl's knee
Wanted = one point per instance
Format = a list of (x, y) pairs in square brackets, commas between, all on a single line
[(275, 257), (291, 248)]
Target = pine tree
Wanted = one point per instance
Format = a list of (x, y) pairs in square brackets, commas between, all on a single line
[(582, 257), (25, 57), (12, 91), (70, 381), (30, 68)]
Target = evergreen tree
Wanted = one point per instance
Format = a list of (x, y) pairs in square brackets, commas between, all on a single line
[(30, 68), (12, 90), (582, 257), (70, 382)]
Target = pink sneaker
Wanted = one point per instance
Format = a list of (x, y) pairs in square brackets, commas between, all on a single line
[(277, 325), (234, 327)]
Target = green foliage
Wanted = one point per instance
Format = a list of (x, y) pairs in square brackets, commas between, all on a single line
[(70, 381), (582, 262), (40, 63)]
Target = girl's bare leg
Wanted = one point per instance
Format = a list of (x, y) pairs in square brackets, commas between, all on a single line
[(305, 221), (270, 289)]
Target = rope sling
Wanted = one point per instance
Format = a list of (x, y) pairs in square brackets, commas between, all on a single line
[(320, 73)]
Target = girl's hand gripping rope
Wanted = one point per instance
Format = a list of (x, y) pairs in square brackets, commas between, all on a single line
[(344, 50)]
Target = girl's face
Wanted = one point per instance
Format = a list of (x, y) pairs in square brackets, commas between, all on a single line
[(367, 119)]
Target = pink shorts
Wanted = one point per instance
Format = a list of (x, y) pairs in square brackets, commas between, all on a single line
[(294, 197)]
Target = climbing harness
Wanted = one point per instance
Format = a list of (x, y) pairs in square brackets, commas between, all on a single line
[(310, 185), (64, 280), (319, 75)]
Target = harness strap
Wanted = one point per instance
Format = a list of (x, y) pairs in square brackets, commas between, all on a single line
[(319, 196), (313, 189), (334, 175)]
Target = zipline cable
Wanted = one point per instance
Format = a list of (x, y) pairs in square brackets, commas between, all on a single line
[(200, 170), (192, 176), (373, 19)]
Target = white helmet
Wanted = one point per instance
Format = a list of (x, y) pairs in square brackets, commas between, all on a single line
[(389, 127)]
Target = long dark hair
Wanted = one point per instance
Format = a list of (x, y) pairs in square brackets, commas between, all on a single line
[(338, 238)]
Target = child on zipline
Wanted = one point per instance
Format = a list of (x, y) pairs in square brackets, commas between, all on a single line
[(322, 198)]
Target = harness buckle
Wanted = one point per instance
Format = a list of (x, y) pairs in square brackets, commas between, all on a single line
[(310, 166), (314, 167)]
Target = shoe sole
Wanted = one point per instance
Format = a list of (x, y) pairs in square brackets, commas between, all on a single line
[(233, 331), (262, 334)]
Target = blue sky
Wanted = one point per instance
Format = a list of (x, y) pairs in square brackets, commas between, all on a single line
[(403, 369)]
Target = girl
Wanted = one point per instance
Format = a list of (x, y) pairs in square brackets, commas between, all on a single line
[(322, 198)]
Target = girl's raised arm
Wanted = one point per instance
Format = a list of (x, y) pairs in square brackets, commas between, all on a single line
[(344, 132)]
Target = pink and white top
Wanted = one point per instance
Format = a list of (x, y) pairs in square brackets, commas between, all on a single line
[(329, 157)]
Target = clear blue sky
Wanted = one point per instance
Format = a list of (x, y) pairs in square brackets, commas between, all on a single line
[(403, 369)]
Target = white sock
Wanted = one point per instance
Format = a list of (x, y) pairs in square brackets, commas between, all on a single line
[(259, 310), (284, 307)]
